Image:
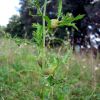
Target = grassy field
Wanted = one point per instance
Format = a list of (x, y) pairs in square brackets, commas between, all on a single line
[(65, 76)]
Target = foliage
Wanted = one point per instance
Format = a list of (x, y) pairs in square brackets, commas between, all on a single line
[(2, 31), (52, 24), (30, 71), (38, 34), (26, 19), (31, 12), (15, 27), (63, 78)]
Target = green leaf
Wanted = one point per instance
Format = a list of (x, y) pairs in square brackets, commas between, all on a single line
[(37, 4), (78, 17), (50, 79), (73, 25), (59, 8), (48, 21), (69, 20), (38, 34)]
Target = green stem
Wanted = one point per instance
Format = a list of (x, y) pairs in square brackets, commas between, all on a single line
[(52, 92), (44, 33), (44, 30)]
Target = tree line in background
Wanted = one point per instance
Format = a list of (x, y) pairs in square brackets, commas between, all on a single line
[(21, 26)]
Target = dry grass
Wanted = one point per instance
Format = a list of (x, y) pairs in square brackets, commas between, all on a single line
[(21, 77)]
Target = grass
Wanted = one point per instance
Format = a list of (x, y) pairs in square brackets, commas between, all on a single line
[(34, 72), (65, 76)]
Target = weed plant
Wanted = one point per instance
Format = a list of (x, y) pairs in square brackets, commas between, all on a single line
[(33, 72)]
